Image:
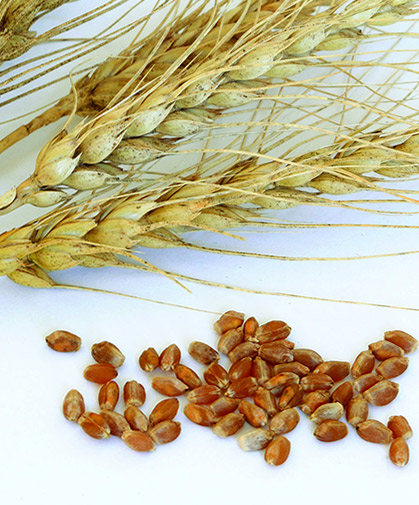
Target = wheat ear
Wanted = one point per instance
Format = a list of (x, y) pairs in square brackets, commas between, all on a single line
[(174, 107), (101, 232)]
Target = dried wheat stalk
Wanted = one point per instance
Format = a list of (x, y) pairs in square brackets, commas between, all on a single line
[(103, 232), (174, 102)]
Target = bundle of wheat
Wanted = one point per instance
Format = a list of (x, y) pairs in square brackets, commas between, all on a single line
[(174, 102), (105, 231)]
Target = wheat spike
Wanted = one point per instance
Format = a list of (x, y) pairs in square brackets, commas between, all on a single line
[(157, 214), (175, 104)]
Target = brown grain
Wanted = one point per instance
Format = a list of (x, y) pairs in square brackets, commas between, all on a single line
[(108, 396), (228, 425), (331, 431), (106, 352), (73, 405), (277, 451), (134, 393), (100, 373), (149, 360), (374, 431), (169, 386), (165, 410), (400, 427), (203, 353), (402, 339), (399, 452), (63, 341)]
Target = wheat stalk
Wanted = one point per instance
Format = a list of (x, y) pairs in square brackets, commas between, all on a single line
[(172, 103)]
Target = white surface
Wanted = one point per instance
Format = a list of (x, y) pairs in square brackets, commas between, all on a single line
[(45, 459)]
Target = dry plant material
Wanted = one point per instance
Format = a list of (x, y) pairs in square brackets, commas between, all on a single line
[(285, 421), (165, 432), (216, 375), (63, 341), (400, 427), (87, 235), (366, 381), (116, 422), (255, 391), (343, 393), (204, 395), (169, 386), (255, 440), (307, 357), (384, 349), (138, 441), (399, 452), (243, 350), (242, 388), (173, 99), (228, 425), (279, 382), (357, 411), (187, 375), (275, 353), (266, 400), (363, 364), (100, 373), (291, 396), (331, 431), (203, 353), (382, 393), (229, 340), (108, 396), (230, 320), (392, 367), (402, 339), (134, 393), (16, 19), (73, 405), (254, 415), (165, 410), (374, 431), (149, 360), (327, 411), (200, 414), (106, 352), (311, 401), (294, 367), (169, 358), (262, 371), (136, 419), (223, 406), (316, 381), (277, 451), (94, 425), (337, 370), (249, 329), (273, 330), (240, 369)]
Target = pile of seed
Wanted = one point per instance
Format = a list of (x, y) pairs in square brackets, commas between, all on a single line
[(139, 432), (269, 378), (267, 381)]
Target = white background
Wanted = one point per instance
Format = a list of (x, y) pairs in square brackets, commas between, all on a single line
[(46, 459)]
